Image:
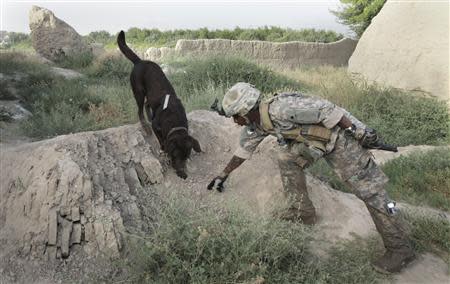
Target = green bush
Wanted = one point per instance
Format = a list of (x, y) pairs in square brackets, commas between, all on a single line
[(60, 108), (101, 99), (154, 37), (430, 233), (19, 62), (195, 75), (193, 243), (31, 76), (421, 178), (80, 105), (17, 41), (102, 37), (62, 118), (403, 118), (201, 98), (358, 14)]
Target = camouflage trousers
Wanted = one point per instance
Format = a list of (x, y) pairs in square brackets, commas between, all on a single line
[(356, 168)]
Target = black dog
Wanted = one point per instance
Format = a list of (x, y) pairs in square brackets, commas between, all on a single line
[(152, 90)]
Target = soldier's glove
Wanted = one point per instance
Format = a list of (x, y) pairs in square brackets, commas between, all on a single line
[(217, 183), (367, 137), (370, 139)]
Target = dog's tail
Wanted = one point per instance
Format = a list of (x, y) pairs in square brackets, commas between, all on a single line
[(125, 49)]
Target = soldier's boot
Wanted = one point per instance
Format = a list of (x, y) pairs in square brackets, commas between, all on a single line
[(399, 252), (294, 185)]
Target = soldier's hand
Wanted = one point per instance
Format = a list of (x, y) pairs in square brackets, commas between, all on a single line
[(217, 183), (365, 136)]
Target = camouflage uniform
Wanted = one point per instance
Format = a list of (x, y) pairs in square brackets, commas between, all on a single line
[(352, 163)]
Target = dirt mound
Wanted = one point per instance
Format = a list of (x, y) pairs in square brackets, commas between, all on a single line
[(76, 192)]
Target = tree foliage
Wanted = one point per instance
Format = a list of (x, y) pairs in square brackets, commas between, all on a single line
[(155, 37), (358, 14)]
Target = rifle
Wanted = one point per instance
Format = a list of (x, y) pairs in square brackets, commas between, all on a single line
[(380, 145), (370, 139), (215, 107)]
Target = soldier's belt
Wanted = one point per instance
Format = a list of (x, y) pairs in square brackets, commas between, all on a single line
[(310, 132)]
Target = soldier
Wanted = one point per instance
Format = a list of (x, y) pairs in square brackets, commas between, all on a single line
[(308, 128)]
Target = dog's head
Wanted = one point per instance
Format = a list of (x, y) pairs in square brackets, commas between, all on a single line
[(179, 146)]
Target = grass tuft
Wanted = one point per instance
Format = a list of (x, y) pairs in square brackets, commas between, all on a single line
[(421, 178), (430, 233), (193, 243)]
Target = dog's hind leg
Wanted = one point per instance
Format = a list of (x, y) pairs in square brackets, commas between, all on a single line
[(149, 111), (139, 95)]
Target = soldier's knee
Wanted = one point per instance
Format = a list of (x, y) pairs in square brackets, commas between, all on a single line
[(382, 204)]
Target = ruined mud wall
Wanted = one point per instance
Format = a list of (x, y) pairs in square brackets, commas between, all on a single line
[(76, 192), (284, 54)]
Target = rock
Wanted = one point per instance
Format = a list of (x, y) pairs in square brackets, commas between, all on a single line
[(9, 84), (52, 227), (75, 214), (66, 73), (53, 38), (52, 253), (12, 111), (406, 46), (65, 237), (75, 237)]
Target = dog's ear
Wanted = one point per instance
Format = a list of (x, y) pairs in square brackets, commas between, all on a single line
[(195, 145)]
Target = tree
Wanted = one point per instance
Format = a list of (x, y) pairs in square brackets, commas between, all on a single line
[(358, 14), (100, 36)]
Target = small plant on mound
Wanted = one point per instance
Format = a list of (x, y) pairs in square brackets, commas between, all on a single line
[(421, 178)]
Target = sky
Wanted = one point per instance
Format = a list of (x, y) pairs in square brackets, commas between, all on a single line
[(87, 16)]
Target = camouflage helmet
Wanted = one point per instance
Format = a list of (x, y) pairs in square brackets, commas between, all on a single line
[(240, 99)]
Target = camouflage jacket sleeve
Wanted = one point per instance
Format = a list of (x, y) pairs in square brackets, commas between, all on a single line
[(248, 141), (353, 119)]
